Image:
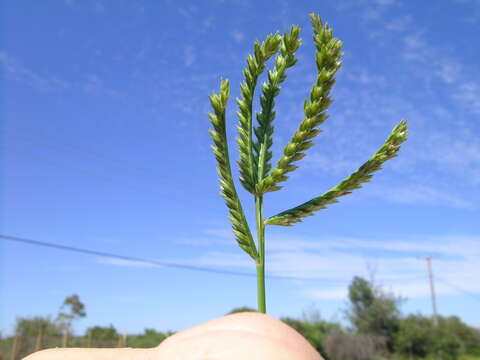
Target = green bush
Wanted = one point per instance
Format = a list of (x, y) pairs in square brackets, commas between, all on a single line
[(418, 337), (150, 338), (315, 331)]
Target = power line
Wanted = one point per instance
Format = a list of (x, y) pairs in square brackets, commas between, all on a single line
[(466, 292), (116, 256), (187, 267), (147, 261)]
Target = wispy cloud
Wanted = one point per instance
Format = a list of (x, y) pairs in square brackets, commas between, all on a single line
[(364, 77), (127, 263), (449, 71), (385, 2), (189, 55), (463, 87), (335, 261), (468, 93), (400, 24), (416, 48), (92, 84), (19, 72), (237, 35), (420, 195)]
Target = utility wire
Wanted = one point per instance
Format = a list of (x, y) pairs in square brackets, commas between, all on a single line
[(466, 292), (186, 267), (147, 261)]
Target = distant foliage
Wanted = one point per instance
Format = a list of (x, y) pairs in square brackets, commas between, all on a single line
[(373, 311), (419, 338), (150, 338), (241, 309), (71, 310), (355, 346), (103, 333), (414, 337), (32, 326), (314, 331), (372, 336)]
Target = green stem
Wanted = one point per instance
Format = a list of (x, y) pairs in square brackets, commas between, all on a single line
[(261, 255)]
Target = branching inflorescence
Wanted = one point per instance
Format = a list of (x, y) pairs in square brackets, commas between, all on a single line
[(256, 174)]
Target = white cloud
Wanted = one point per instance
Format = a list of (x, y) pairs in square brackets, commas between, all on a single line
[(124, 262), (456, 152), (237, 35), (342, 164), (410, 290), (420, 194), (333, 262), (385, 2), (449, 71), (399, 24), (464, 87), (365, 78), (189, 55), (219, 258), (17, 71), (469, 94), (207, 23), (416, 49), (338, 293), (92, 84)]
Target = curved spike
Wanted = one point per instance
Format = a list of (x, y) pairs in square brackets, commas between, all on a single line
[(389, 150), (240, 226)]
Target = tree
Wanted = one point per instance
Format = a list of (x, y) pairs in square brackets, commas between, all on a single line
[(34, 332), (373, 311), (314, 329), (241, 309), (103, 336), (312, 332), (71, 309), (414, 336), (150, 338), (418, 338), (32, 326), (469, 336)]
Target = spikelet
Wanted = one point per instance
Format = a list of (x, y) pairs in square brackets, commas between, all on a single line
[(255, 66), (389, 150), (328, 60), (219, 135), (270, 90)]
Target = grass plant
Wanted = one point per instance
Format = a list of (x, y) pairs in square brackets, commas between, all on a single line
[(257, 174)]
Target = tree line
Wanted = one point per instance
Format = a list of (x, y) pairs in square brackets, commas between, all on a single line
[(377, 330)]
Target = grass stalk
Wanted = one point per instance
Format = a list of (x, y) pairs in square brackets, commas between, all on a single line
[(256, 173), (262, 307)]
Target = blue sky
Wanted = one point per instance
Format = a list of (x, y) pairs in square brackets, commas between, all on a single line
[(105, 146)]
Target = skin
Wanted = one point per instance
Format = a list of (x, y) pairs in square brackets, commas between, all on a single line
[(242, 336)]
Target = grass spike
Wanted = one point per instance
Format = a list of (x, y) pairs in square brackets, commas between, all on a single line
[(240, 226), (328, 60), (389, 150), (255, 66), (270, 90), (256, 174)]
